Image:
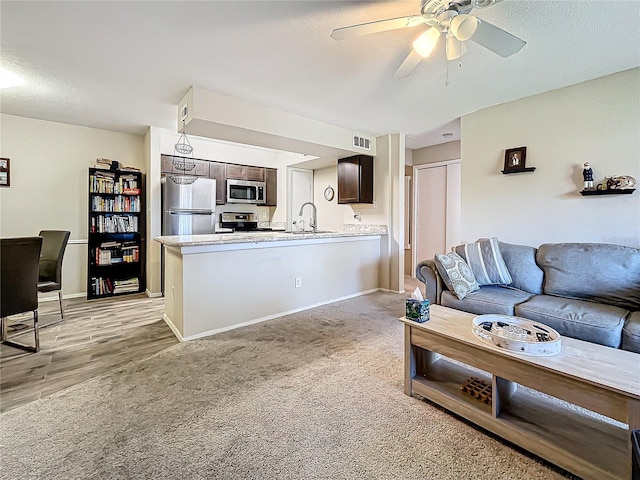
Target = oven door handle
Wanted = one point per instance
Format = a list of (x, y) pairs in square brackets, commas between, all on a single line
[(190, 212)]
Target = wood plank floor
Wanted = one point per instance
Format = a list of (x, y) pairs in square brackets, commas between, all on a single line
[(95, 338)]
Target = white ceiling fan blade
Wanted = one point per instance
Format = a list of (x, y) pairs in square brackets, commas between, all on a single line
[(376, 27), (497, 40), (409, 64)]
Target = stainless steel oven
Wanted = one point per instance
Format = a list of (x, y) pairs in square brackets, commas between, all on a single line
[(244, 191)]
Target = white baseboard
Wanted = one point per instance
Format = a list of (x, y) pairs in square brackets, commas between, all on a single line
[(64, 297), (173, 328), (261, 319)]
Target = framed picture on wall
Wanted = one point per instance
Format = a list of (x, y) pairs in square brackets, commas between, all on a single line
[(514, 159), (5, 179)]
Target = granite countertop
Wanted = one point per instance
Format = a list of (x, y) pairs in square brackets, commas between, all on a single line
[(256, 237)]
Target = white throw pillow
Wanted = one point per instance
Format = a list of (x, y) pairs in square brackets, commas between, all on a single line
[(486, 262)]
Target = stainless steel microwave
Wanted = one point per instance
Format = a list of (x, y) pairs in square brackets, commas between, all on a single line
[(243, 191)]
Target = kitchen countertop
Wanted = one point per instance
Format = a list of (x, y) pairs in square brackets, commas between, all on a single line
[(257, 237)]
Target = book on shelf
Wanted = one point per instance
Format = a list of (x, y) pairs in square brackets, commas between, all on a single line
[(129, 285)]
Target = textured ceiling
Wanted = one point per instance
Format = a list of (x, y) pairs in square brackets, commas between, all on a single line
[(125, 65)]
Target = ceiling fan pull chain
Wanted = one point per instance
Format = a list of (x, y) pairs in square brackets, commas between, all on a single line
[(447, 83)]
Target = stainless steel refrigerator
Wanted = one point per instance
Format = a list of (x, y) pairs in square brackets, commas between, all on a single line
[(188, 209)]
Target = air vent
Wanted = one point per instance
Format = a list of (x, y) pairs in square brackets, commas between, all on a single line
[(361, 142)]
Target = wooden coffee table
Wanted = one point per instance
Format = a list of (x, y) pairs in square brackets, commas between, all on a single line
[(601, 379)]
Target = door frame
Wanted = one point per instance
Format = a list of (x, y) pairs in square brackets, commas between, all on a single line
[(290, 211), (414, 209)]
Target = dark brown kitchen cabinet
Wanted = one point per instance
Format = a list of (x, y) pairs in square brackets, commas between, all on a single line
[(355, 179), (217, 171), (271, 180), (245, 172), (255, 174), (166, 166), (236, 172)]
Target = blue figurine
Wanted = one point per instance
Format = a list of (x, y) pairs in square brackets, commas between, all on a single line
[(587, 174)]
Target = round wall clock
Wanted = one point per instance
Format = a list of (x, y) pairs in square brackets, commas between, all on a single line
[(329, 193)]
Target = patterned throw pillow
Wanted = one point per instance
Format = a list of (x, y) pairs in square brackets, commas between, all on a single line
[(456, 274), (486, 262)]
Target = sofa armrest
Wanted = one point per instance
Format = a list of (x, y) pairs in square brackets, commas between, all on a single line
[(427, 273)]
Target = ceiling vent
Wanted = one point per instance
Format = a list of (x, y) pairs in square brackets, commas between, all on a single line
[(361, 142)]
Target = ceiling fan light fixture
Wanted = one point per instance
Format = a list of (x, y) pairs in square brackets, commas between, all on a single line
[(426, 42), (464, 26), (483, 3)]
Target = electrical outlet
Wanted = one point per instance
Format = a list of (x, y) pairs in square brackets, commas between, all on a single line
[(298, 282), (264, 215)]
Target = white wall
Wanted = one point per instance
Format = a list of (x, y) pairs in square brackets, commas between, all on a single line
[(436, 153), (49, 182), (199, 303), (596, 121)]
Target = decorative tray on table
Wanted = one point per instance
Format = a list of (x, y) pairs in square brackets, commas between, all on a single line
[(517, 334)]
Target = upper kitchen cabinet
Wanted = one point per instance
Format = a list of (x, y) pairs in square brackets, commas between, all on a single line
[(271, 180), (217, 171), (166, 167), (355, 179), (244, 172)]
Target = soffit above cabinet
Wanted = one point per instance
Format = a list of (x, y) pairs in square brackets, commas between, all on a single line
[(213, 115)]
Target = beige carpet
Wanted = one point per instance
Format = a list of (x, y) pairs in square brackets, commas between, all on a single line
[(317, 394)]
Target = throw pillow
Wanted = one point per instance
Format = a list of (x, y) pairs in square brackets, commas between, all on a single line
[(486, 262), (456, 274)]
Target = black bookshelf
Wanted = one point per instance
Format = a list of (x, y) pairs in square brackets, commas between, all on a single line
[(116, 238)]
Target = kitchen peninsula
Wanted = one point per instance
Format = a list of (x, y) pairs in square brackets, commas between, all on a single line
[(215, 283)]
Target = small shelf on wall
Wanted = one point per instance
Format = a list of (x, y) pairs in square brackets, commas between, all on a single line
[(613, 191), (520, 170)]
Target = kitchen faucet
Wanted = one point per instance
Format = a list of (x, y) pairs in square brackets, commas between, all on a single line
[(314, 221)]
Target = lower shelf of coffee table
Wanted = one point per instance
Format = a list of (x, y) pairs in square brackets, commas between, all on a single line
[(571, 437)]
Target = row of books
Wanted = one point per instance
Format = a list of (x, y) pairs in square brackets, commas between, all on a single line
[(105, 182), (117, 204), (113, 256), (114, 224), (103, 286)]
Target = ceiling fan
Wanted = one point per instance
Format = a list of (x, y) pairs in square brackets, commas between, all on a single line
[(450, 19)]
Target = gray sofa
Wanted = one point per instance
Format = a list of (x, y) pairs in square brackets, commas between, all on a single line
[(589, 291)]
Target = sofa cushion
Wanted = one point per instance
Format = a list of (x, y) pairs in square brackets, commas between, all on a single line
[(489, 299), (521, 263), (582, 319), (592, 271), (456, 274), (631, 333), (486, 261)]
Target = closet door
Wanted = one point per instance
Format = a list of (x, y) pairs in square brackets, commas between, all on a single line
[(436, 209)]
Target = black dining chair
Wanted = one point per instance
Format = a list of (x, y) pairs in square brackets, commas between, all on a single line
[(54, 243), (19, 260)]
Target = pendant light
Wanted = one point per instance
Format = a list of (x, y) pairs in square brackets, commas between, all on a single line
[(183, 164)]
